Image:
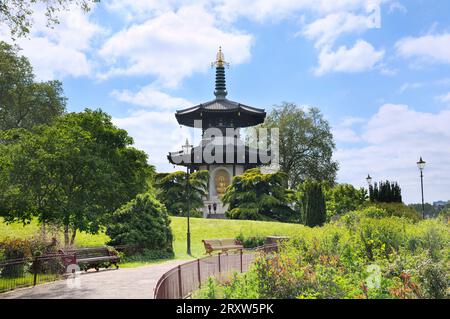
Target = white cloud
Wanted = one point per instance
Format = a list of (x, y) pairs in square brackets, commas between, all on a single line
[(427, 49), (394, 139), (62, 50), (352, 120), (344, 131), (345, 135), (326, 30), (151, 97), (260, 10), (409, 86), (173, 45), (397, 7), (417, 85), (331, 19), (361, 57), (156, 133), (353, 18), (132, 10), (445, 98)]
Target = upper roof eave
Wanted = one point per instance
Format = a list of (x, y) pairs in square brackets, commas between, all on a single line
[(230, 106)]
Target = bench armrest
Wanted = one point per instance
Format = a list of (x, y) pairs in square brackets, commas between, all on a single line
[(208, 246)]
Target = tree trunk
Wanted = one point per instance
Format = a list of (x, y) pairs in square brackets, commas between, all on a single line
[(72, 240), (43, 232), (66, 236)]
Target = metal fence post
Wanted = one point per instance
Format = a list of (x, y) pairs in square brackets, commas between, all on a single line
[(35, 270), (219, 263), (180, 286), (199, 278), (242, 268)]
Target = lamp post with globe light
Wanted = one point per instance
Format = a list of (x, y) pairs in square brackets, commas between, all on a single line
[(187, 148), (369, 182), (421, 165)]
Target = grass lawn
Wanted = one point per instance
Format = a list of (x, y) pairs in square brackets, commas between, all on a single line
[(200, 229), (216, 228), (17, 230), (7, 284)]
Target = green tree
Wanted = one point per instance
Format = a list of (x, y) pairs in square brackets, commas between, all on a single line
[(24, 102), (306, 143), (17, 14), (71, 173), (386, 192), (311, 203), (344, 198), (144, 223), (258, 196), (173, 192)]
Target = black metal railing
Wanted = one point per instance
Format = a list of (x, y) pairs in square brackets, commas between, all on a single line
[(181, 281), (27, 272)]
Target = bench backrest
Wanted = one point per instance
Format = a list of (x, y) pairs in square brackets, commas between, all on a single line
[(217, 243), (91, 252), (213, 242), (228, 242)]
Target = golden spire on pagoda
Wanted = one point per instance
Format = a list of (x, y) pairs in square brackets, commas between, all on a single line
[(220, 60)]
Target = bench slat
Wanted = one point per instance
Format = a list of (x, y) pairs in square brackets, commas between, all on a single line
[(87, 260), (221, 244)]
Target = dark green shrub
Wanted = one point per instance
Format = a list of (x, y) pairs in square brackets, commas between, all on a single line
[(312, 202), (433, 242), (251, 242), (400, 210), (434, 279), (143, 223), (385, 192), (173, 193), (379, 238), (257, 196), (147, 254), (17, 249)]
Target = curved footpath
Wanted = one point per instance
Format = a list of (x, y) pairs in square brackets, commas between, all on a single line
[(127, 283)]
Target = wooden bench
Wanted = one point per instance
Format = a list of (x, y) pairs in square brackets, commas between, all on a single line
[(223, 245), (87, 258)]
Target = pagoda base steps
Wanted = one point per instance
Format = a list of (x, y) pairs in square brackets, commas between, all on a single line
[(216, 216)]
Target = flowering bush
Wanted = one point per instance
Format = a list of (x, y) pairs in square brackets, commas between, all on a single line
[(356, 257)]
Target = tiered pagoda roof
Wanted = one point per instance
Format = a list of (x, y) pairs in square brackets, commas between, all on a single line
[(219, 113)]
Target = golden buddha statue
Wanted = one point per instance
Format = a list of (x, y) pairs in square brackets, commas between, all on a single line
[(222, 182)]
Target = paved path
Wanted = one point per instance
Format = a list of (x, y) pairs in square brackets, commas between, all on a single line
[(128, 283)]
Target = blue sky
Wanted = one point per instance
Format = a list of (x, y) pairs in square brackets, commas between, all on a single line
[(378, 70)]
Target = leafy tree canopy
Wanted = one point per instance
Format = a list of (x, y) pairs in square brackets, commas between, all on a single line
[(174, 193), (17, 14), (306, 143), (344, 198), (258, 196), (143, 222), (24, 102), (71, 173)]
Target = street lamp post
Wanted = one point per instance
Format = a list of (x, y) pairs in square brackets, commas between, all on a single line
[(187, 151), (421, 165), (369, 182)]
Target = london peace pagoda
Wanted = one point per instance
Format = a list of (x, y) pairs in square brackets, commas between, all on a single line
[(221, 150)]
